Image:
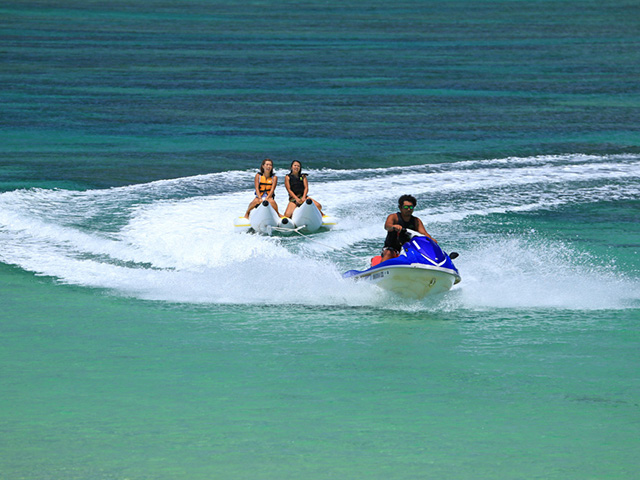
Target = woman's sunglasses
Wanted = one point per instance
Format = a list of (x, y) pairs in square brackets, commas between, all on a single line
[(408, 207)]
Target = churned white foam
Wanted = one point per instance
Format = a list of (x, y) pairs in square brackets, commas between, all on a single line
[(261, 281), (523, 273), (174, 240), (173, 250), (487, 179)]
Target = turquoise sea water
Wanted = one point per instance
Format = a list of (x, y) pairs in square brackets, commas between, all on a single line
[(141, 338)]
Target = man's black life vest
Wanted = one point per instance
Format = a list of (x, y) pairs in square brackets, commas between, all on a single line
[(393, 239)]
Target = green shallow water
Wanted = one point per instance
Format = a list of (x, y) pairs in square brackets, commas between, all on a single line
[(100, 387)]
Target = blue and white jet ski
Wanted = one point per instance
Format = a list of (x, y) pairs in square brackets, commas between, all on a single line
[(421, 269)]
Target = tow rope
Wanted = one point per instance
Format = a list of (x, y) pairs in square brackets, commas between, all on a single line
[(297, 230)]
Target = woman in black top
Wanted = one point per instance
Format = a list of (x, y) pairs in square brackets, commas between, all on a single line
[(297, 186)]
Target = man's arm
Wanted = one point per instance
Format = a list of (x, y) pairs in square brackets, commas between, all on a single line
[(390, 225), (422, 230)]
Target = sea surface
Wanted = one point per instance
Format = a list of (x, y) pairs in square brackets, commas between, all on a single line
[(141, 338)]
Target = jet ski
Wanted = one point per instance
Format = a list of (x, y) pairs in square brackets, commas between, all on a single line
[(264, 219), (421, 269)]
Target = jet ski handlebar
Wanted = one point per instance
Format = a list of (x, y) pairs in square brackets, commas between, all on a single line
[(411, 233)]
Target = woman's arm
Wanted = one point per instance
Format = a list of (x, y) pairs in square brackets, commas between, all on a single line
[(273, 187), (256, 182), (306, 189)]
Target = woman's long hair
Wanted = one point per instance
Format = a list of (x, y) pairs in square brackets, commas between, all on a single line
[(291, 168), (262, 166)]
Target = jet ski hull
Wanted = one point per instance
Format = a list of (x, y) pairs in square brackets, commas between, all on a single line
[(410, 281)]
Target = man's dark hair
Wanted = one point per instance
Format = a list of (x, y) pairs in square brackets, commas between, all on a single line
[(406, 198)]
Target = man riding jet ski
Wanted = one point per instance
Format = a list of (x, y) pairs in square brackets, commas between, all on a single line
[(412, 263), (396, 223)]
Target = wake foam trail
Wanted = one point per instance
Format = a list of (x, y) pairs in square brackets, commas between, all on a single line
[(253, 281), (520, 273), (173, 240), (170, 250)]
